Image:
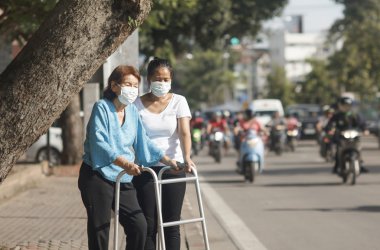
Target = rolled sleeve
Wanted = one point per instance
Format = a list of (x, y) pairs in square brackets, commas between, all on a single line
[(102, 153)]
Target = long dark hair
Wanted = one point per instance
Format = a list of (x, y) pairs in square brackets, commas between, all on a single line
[(158, 63), (117, 76)]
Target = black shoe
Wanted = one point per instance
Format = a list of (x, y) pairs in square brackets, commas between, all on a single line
[(363, 169)]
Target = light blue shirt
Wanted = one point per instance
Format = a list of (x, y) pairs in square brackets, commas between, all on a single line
[(106, 139)]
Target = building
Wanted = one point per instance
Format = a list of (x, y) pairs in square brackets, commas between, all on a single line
[(292, 51)]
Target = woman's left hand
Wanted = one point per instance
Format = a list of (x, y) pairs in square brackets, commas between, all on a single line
[(189, 164)]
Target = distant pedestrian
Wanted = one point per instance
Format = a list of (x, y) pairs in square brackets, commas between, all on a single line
[(115, 134), (166, 117)]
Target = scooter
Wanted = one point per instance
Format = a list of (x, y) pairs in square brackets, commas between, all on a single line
[(216, 143), (349, 155), (277, 139), (291, 138), (326, 147), (251, 155), (196, 138)]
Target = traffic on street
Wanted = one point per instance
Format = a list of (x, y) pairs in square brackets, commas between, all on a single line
[(296, 202)]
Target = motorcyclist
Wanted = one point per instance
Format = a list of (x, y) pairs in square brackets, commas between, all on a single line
[(218, 123), (238, 125), (324, 139), (342, 120), (292, 122), (276, 122), (328, 112), (197, 122)]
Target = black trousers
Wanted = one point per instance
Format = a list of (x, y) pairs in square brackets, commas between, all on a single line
[(98, 198), (172, 200)]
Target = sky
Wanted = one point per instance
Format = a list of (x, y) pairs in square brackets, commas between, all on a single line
[(318, 15)]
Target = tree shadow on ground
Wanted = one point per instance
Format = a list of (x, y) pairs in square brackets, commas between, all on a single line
[(368, 209)]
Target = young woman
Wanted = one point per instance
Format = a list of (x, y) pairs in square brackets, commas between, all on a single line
[(166, 118), (115, 134)]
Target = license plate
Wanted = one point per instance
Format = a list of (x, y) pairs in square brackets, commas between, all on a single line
[(309, 131)]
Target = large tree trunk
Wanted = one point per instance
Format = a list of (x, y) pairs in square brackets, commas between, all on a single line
[(72, 133), (61, 56)]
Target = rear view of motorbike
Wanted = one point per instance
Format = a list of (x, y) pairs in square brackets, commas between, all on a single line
[(216, 143), (196, 137), (349, 155), (277, 138), (291, 139)]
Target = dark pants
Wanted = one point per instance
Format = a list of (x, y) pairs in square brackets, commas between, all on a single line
[(98, 198), (172, 199)]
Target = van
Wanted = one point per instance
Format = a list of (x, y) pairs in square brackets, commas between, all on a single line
[(265, 108)]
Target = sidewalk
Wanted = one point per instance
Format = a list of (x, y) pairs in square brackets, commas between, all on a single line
[(50, 215)]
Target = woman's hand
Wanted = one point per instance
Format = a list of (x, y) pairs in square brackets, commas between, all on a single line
[(189, 163), (169, 162), (132, 169)]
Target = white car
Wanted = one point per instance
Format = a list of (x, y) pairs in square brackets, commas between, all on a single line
[(265, 108), (37, 152)]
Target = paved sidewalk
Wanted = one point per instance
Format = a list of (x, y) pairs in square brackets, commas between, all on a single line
[(50, 215)]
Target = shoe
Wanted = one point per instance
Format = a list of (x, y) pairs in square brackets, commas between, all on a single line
[(363, 169)]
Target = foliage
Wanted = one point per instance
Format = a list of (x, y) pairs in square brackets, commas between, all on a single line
[(319, 87), (20, 18), (203, 78), (356, 65), (184, 24), (279, 87)]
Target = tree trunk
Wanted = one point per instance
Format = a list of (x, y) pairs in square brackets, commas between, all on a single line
[(72, 133), (61, 56)]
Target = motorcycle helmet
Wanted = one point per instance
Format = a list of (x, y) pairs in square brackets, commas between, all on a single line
[(344, 100), (197, 114), (345, 104), (249, 113)]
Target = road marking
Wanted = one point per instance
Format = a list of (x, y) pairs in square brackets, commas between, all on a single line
[(240, 234)]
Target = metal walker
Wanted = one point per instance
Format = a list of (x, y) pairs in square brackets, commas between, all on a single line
[(158, 182)]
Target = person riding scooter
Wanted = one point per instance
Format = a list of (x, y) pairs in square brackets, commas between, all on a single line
[(324, 139), (218, 124), (277, 133), (251, 131), (197, 128), (342, 120)]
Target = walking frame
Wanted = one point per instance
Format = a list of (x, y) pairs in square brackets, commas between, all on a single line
[(158, 182)]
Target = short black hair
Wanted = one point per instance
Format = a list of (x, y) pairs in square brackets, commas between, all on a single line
[(158, 63)]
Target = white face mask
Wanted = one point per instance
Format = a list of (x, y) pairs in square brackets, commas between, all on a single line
[(160, 88), (128, 95)]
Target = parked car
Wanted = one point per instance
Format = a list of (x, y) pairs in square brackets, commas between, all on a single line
[(38, 151), (308, 115)]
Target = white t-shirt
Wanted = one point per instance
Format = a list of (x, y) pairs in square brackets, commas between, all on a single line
[(162, 128)]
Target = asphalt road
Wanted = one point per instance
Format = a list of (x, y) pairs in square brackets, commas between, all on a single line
[(296, 203)]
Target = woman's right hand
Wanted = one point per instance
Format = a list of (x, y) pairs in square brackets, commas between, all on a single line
[(132, 169)]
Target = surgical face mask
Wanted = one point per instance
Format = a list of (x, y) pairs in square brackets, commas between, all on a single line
[(160, 88), (128, 95)]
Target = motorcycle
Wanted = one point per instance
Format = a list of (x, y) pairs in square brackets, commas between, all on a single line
[(251, 155), (291, 138), (349, 155), (196, 140), (326, 147), (216, 143), (277, 139)]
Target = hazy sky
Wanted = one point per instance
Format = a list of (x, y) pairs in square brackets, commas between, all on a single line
[(318, 15)]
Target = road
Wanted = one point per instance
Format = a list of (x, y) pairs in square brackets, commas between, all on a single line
[(296, 203)]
